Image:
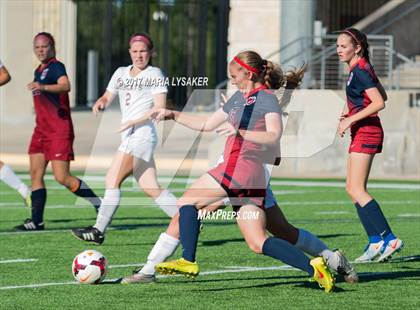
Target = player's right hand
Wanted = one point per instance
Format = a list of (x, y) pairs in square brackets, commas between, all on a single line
[(99, 105)]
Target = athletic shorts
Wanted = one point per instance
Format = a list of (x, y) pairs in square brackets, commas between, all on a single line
[(269, 200), (367, 136), (245, 183), (51, 148), (138, 147)]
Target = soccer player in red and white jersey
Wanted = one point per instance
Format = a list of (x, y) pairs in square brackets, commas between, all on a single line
[(277, 225), (253, 123), (52, 139), (365, 98), (6, 173), (139, 87)]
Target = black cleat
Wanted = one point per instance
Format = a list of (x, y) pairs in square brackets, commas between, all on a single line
[(89, 234), (30, 225)]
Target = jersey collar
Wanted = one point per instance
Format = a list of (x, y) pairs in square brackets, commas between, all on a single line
[(362, 62), (255, 90), (43, 66)]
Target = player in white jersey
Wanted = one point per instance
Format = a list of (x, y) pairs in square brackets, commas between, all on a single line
[(6, 173), (139, 90)]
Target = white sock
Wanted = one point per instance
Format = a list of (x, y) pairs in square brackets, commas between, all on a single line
[(109, 205), (311, 244), (167, 202), (10, 178), (164, 247)]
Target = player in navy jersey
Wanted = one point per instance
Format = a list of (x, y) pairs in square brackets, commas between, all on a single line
[(7, 175), (365, 98), (52, 139), (253, 123)]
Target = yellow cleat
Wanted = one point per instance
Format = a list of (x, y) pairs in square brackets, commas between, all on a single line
[(179, 266), (28, 201), (322, 275)]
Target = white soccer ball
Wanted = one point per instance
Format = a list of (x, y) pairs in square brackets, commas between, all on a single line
[(89, 267)]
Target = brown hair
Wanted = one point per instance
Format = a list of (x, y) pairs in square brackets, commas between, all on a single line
[(358, 38), (269, 73)]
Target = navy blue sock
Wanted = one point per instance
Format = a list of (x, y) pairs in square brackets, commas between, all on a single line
[(84, 191), (389, 237), (373, 212), (38, 197), (189, 228), (367, 225), (287, 253)]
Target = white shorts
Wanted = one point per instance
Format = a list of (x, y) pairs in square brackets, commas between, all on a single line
[(269, 201), (138, 147)]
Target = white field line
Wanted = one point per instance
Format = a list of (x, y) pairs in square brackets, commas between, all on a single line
[(409, 215), (60, 191), (213, 272), (394, 185), (57, 191), (18, 260), (138, 203)]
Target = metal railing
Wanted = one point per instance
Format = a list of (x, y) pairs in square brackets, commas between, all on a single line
[(325, 71)]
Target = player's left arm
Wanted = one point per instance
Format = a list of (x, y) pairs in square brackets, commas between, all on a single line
[(377, 104), (62, 86), (272, 134)]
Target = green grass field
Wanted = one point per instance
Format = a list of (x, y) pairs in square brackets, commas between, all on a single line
[(232, 276)]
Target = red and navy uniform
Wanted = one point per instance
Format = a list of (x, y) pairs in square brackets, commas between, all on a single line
[(241, 173), (53, 134), (366, 134)]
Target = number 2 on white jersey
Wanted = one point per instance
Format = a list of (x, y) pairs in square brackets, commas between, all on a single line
[(127, 99)]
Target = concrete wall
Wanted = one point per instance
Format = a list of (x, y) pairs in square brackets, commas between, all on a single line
[(254, 25), (20, 20)]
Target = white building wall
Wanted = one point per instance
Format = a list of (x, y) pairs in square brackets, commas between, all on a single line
[(254, 25)]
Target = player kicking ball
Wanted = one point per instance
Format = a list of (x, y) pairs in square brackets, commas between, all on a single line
[(253, 119)]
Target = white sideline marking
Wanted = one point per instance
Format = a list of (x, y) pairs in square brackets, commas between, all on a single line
[(343, 184), (235, 270), (343, 202), (409, 215), (138, 203), (181, 180), (18, 260)]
